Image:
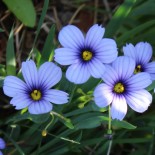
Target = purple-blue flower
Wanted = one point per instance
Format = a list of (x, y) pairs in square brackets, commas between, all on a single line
[(121, 87), (34, 92), (142, 54), (85, 55), (2, 145)]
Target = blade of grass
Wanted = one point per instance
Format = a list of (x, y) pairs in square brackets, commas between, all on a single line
[(10, 56), (48, 46), (14, 143), (44, 10), (119, 17)]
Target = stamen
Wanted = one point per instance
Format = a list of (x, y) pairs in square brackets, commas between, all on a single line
[(138, 69), (119, 88), (87, 55), (36, 95)]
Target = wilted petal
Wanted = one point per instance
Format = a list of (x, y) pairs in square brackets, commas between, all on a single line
[(49, 75), (103, 95), (94, 36), (21, 101), (40, 107), (78, 73), (143, 52), (124, 66), (138, 81), (119, 107), (96, 68), (56, 96), (139, 100), (13, 86), (30, 73), (71, 37), (66, 56), (106, 51)]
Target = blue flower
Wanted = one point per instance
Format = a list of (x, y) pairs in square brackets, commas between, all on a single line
[(86, 55), (2, 145), (121, 87), (35, 92), (142, 54)]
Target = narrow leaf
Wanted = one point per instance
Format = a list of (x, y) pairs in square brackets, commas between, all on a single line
[(10, 56)]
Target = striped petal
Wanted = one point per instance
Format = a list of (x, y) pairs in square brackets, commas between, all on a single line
[(40, 107), (103, 95), (139, 100), (56, 96), (30, 73), (78, 73), (118, 107), (94, 36), (71, 37), (66, 56), (13, 86), (49, 75)]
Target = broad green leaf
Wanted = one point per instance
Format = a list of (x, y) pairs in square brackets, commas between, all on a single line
[(10, 56), (123, 124), (48, 48), (119, 17), (23, 10)]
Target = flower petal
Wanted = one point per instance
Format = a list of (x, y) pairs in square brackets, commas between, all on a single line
[(138, 81), (2, 144), (106, 51), (13, 86), (66, 56), (96, 68), (78, 73), (30, 73), (49, 75), (110, 76), (150, 68), (94, 36), (71, 37), (118, 107), (124, 66), (56, 96), (103, 95), (139, 100), (143, 52), (21, 101), (129, 50), (40, 107)]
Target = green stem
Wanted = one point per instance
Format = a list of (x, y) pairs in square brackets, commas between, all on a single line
[(109, 121)]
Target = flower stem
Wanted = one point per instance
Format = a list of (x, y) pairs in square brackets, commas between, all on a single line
[(109, 121)]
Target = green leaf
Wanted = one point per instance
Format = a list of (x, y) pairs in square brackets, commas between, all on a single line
[(69, 124), (1, 81), (151, 87), (23, 10), (10, 56), (119, 17), (123, 124), (48, 48), (35, 118)]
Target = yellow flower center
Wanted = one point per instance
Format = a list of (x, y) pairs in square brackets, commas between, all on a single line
[(138, 69), (87, 55), (36, 95), (119, 88)]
